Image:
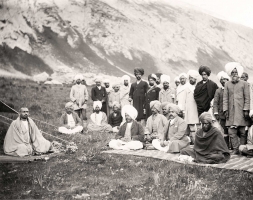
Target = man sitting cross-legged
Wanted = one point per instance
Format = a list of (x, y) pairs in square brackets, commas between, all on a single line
[(155, 123), (23, 137), (115, 118), (131, 133), (98, 119), (70, 123), (210, 146), (174, 133)]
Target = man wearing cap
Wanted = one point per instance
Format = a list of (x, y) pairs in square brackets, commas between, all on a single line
[(115, 117), (181, 95), (98, 120), (166, 94), (70, 123), (138, 92), (174, 133), (209, 146), (124, 91), (131, 133), (23, 137), (236, 105), (98, 93), (79, 96), (218, 104), (191, 111), (152, 93), (204, 90), (114, 96)]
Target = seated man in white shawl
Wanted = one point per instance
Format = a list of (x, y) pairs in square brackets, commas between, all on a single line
[(131, 133), (23, 137), (70, 122), (98, 119), (155, 123)]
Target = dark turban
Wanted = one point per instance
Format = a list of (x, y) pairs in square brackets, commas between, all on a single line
[(158, 75), (204, 69), (139, 70)]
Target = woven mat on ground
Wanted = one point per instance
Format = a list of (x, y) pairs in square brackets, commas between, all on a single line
[(235, 162), (14, 159)]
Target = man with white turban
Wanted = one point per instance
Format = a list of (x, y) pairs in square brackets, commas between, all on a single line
[(98, 120), (115, 117), (114, 96), (209, 146), (174, 133), (181, 95), (165, 109), (236, 105), (155, 123), (218, 104), (98, 93), (124, 90), (191, 111), (79, 96), (177, 81), (70, 123), (131, 133), (167, 94)]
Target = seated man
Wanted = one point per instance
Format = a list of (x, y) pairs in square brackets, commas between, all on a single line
[(210, 146), (247, 149), (23, 137), (131, 133), (98, 119), (115, 118), (174, 133), (155, 123), (70, 122)]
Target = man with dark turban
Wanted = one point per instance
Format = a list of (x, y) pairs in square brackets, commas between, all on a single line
[(204, 91), (152, 93), (210, 146), (138, 92)]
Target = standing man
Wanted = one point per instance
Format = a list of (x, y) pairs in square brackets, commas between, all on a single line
[(138, 92), (166, 94), (218, 104), (152, 93), (245, 76), (124, 91), (191, 111), (108, 89), (98, 93), (177, 81), (204, 90), (158, 80), (236, 105), (181, 95)]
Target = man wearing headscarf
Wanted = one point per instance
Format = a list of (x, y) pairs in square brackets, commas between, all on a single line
[(191, 111), (98, 120), (181, 95), (155, 122), (152, 93), (124, 90), (209, 146), (204, 90), (218, 104), (114, 96), (167, 94), (236, 105), (131, 133), (174, 133), (70, 123), (115, 117), (98, 93), (79, 96), (138, 92)]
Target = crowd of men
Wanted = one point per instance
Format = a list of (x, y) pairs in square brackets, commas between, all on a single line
[(158, 115)]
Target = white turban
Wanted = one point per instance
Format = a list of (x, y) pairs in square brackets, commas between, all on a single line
[(222, 74), (193, 74), (156, 104), (232, 65), (115, 85), (182, 75), (106, 81), (165, 78), (69, 105), (98, 79), (125, 77), (97, 103), (78, 76), (116, 103), (176, 79), (130, 110)]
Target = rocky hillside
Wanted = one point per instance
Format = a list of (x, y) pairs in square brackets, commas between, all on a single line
[(62, 37)]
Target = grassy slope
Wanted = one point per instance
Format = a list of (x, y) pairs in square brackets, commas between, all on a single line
[(119, 177)]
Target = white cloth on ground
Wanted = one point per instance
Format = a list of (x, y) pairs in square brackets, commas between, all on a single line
[(119, 144), (65, 130)]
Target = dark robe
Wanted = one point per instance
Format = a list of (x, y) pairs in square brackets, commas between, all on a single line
[(152, 94), (99, 95), (115, 120), (204, 94), (210, 149), (138, 94)]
